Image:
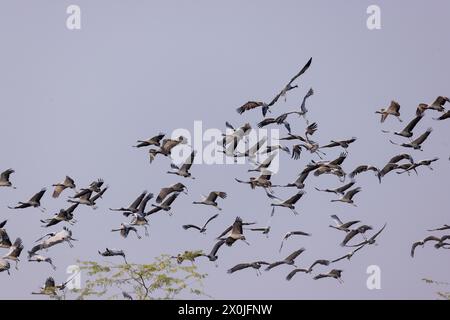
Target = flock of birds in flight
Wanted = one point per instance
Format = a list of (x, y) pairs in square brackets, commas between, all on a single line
[(138, 213)]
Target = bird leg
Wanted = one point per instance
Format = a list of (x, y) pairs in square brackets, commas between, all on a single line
[(17, 264), (318, 154), (146, 231), (273, 211), (295, 212)]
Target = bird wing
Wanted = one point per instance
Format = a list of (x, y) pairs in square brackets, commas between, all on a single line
[(4, 238), (444, 116), (378, 233), (294, 272), (340, 159), (410, 126), (440, 101), (138, 200), (266, 122), (37, 197), (321, 262), (302, 71), (249, 106), (414, 246), (225, 232), (431, 238), (350, 194), (144, 202), (237, 226), (96, 184), (349, 224), (210, 219), (340, 258), (320, 276), (349, 236), (303, 105), (295, 198), (216, 247), (82, 193), (69, 182), (275, 264), (311, 129), (294, 255), (163, 193), (5, 174), (170, 199), (16, 249), (71, 209), (445, 227), (58, 189), (422, 137), (300, 233), (229, 125), (158, 137), (49, 283), (282, 241), (296, 151), (212, 196), (189, 161), (239, 266), (99, 195), (85, 194), (267, 161), (394, 107), (400, 157), (330, 145), (336, 219), (345, 187), (257, 146), (388, 168), (188, 226)]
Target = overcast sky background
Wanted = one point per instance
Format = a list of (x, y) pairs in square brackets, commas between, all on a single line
[(74, 102)]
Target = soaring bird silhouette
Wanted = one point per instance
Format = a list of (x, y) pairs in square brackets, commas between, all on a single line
[(183, 171), (210, 200), (200, 229), (60, 187), (393, 109), (153, 141), (34, 202), (289, 260), (255, 265)]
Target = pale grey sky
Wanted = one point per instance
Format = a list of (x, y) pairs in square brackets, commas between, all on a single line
[(73, 102)]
